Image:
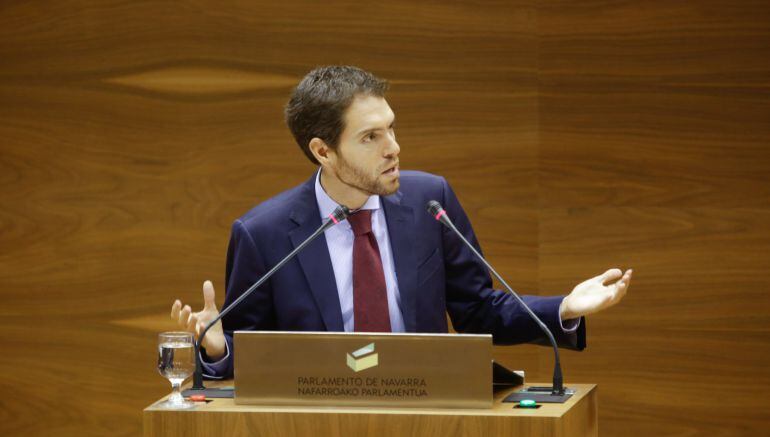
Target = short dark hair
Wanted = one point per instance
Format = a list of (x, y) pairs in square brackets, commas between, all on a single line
[(318, 104)]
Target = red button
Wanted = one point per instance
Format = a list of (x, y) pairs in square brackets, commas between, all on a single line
[(198, 398)]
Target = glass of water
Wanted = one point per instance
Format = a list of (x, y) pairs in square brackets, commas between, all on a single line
[(176, 362)]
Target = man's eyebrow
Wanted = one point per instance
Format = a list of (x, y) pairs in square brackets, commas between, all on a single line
[(372, 129), (366, 131)]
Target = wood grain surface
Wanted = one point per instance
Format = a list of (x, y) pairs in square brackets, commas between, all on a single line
[(575, 417), (578, 136)]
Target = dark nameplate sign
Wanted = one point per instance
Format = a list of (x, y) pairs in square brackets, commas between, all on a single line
[(349, 369)]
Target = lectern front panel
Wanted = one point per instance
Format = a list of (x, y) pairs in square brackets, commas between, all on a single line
[(348, 369)]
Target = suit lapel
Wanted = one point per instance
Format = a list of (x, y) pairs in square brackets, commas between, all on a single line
[(400, 220), (314, 259)]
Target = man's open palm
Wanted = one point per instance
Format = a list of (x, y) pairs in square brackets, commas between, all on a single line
[(596, 294)]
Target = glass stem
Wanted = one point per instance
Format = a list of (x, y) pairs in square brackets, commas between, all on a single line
[(176, 392)]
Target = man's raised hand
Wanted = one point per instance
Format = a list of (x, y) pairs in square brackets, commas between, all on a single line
[(596, 294), (214, 341)]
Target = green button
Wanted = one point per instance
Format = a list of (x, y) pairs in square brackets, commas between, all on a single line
[(527, 403)]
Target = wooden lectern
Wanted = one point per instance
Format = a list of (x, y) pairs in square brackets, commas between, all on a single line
[(577, 417)]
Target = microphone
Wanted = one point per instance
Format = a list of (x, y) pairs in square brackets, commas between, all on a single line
[(338, 215), (558, 393)]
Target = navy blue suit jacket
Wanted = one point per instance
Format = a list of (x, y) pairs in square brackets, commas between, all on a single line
[(436, 273)]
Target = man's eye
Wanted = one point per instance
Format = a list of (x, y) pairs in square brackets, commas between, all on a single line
[(370, 137)]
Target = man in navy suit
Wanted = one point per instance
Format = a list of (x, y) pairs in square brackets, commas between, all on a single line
[(390, 266)]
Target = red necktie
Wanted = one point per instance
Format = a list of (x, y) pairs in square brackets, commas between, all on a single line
[(370, 296)]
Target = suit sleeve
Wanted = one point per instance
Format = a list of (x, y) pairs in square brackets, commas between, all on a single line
[(474, 306), (245, 265)]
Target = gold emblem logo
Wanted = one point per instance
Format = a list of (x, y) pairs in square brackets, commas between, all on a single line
[(363, 358)]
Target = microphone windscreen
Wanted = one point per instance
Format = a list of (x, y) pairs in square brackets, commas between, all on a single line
[(341, 213), (434, 208)]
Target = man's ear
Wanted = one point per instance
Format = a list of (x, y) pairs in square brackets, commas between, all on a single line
[(320, 150)]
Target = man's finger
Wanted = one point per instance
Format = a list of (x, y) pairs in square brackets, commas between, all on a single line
[(175, 308), (610, 275), (184, 316), (626, 280), (208, 296), (620, 291), (192, 324)]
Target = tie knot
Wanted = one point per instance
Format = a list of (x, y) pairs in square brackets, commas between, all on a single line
[(361, 221)]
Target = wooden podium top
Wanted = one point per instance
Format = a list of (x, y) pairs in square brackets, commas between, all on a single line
[(577, 416)]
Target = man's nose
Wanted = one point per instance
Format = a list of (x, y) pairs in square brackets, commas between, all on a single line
[(392, 149)]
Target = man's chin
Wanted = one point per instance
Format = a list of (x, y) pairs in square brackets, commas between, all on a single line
[(390, 188)]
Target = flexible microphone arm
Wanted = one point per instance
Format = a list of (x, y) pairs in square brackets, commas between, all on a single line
[(339, 214), (437, 211)]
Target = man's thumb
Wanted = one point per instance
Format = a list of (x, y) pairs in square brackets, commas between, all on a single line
[(208, 296), (611, 275)]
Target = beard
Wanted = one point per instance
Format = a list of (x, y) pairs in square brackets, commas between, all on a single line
[(358, 178)]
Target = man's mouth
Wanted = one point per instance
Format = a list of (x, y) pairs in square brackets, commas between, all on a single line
[(392, 170)]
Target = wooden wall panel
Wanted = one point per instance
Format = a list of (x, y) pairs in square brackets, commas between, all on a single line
[(133, 133), (654, 155), (659, 104)]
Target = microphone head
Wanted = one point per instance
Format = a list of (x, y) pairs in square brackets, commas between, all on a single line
[(340, 213), (434, 208)]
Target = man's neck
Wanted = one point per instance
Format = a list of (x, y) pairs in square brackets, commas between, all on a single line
[(342, 193)]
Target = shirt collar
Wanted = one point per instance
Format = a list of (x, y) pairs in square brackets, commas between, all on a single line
[(326, 204)]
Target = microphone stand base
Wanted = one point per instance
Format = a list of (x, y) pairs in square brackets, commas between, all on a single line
[(211, 392), (541, 395)]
